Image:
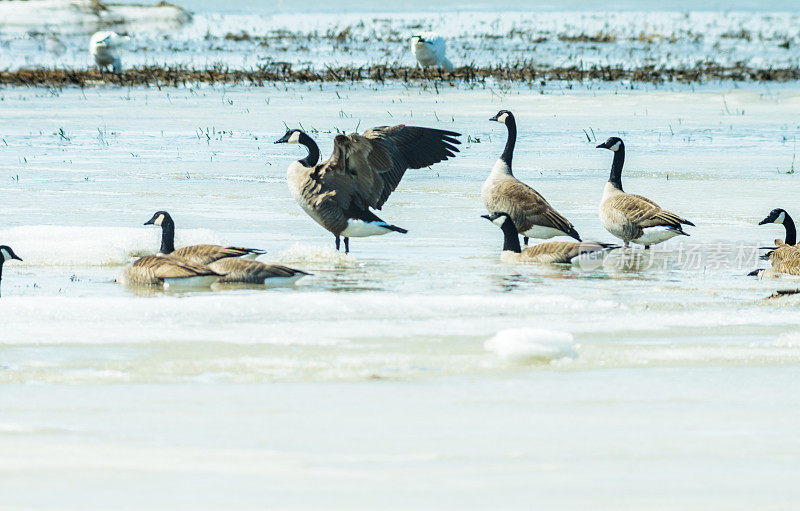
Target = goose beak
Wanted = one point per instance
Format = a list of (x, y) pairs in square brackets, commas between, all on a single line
[(487, 217), (602, 146), (767, 220), (283, 139), (15, 256), (152, 221), (493, 118)]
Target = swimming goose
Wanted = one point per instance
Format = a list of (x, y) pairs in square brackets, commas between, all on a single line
[(532, 214), (167, 271), (429, 50), (633, 218), (543, 253), (6, 254), (787, 248), (104, 46), (788, 267), (241, 271), (361, 174), (196, 254)]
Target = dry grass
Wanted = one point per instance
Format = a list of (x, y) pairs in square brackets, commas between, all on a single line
[(284, 72)]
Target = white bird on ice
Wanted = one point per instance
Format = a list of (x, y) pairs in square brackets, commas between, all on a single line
[(104, 46), (429, 49)]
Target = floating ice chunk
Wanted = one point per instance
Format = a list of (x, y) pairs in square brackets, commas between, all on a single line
[(531, 345)]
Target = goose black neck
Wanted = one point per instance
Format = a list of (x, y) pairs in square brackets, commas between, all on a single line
[(167, 236), (511, 237), (616, 167), (791, 232), (313, 150), (1, 270), (511, 141)]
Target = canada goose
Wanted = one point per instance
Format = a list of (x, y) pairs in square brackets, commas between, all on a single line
[(633, 218), (167, 271), (787, 248), (361, 174), (532, 214), (6, 254), (786, 267), (104, 47), (543, 253), (429, 50), (241, 271), (196, 254)]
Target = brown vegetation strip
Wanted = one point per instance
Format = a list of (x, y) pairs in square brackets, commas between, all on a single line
[(284, 72)]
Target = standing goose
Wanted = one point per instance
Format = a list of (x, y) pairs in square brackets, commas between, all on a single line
[(6, 254), (167, 271), (429, 49), (543, 253), (633, 218), (787, 248), (361, 174), (196, 254), (502, 192)]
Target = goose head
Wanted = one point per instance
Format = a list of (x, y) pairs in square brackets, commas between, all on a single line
[(419, 39), (503, 117), (7, 254), (500, 219), (612, 144), (291, 137), (160, 218), (776, 216)]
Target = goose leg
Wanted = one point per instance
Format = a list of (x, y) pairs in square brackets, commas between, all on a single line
[(346, 245), (338, 242), (647, 247), (525, 240)]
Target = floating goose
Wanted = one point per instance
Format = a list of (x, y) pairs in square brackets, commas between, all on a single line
[(196, 254), (531, 213), (167, 271), (789, 267), (361, 174), (104, 47), (543, 253), (6, 254), (633, 218), (787, 248), (241, 271), (429, 50)]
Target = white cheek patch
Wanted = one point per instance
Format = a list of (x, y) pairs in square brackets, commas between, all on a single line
[(502, 118), (615, 147), (294, 138), (500, 220), (5, 253), (780, 218), (159, 220)]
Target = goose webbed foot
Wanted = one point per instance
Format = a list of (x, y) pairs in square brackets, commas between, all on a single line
[(525, 240), (346, 245)]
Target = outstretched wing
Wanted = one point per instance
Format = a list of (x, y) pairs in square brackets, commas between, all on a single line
[(365, 169), (398, 148)]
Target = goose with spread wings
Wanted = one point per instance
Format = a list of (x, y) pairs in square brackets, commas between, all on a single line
[(361, 174)]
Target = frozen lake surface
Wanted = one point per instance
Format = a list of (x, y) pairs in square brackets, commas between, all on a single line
[(669, 385)]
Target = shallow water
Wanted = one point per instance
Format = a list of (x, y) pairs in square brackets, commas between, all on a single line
[(371, 376)]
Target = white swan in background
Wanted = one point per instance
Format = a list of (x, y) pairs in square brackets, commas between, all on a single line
[(104, 47), (429, 49)]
